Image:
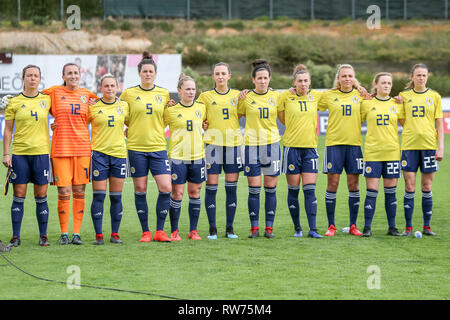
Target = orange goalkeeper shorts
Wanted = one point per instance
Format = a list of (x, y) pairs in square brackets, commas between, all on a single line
[(70, 171)]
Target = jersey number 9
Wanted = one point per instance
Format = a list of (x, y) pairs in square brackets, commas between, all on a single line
[(226, 114)]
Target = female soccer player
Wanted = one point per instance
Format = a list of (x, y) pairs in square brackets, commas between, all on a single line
[(27, 113), (343, 144), (147, 146), (262, 146), (381, 151), (422, 143), (223, 147), (298, 112), (71, 148), (109, 156), (187, 155)]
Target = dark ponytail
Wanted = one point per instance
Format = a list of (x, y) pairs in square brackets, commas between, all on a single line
[(146, 59), (260, 64)]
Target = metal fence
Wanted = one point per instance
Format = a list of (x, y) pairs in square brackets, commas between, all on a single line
[(227, 9), (273, 9)]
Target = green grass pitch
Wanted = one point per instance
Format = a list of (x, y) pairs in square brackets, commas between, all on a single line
[(226, 269)]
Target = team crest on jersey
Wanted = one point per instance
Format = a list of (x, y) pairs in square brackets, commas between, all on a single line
[(429, 101), (158, 98), (368, 169), (174, 176), (291, 167), (393, 109), (310, 97), (233, 102), (43, 104), (355, 99), (119, 110), (83, 99), (95, 173), (271, 101), (404, 163), (198, 114)]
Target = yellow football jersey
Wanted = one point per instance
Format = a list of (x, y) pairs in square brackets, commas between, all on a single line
[(344, 117), (261, 112), (30, 115), (420, 113), (185, 124), (146, 130), (222, 116), (381, 143), (300, 114), (108, 121)]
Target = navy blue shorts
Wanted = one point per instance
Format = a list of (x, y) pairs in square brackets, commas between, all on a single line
[(264, 160), (191, 171), (425, 159), (141, 162), (228, 158), (298, 160), (338, 158), (34, 169), (385, 169), (104, 166)]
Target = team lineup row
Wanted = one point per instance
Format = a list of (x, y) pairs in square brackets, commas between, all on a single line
[(205, 138)]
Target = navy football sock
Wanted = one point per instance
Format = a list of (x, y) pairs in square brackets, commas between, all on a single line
[(17, 215), (210, 203), (98, 199), (353, 205), (427, 207), (253, 205), (162, 209), (369, 207), (330, 204), (408, 205), (293, 205), (116, 210), (42, 214), (174, 213), (140, 200), (270, 205), (309, 191), (194, 213), (390, 204), (230, 202)]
